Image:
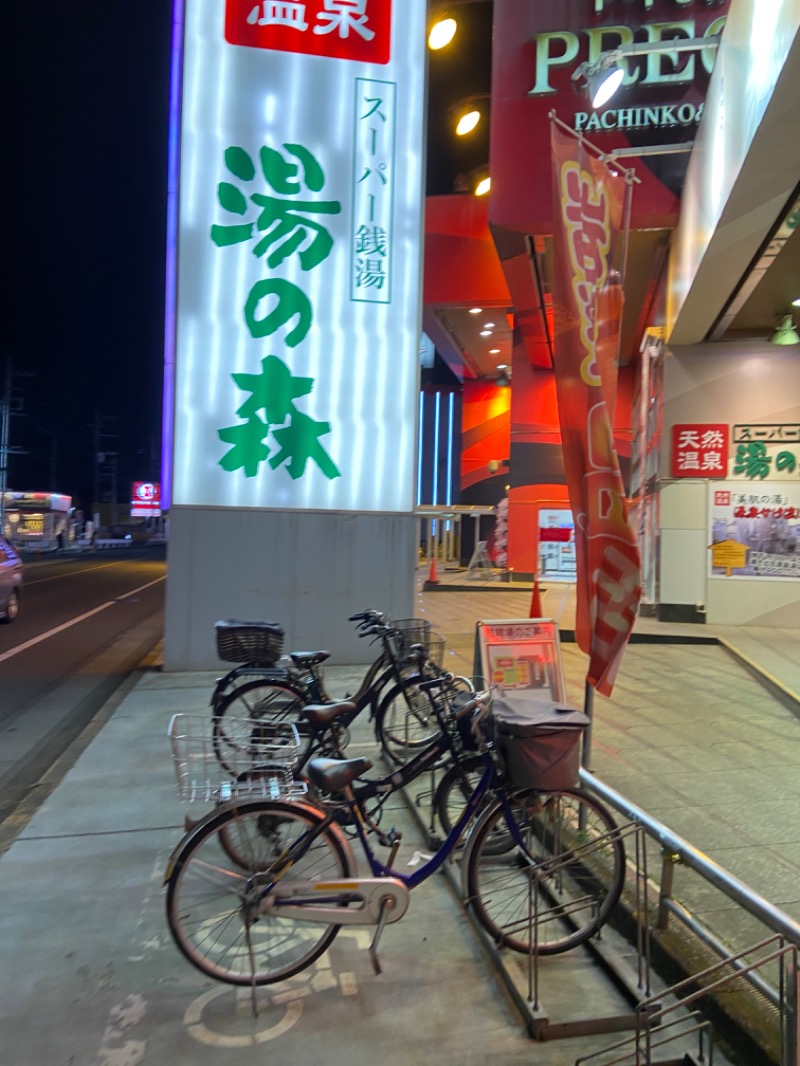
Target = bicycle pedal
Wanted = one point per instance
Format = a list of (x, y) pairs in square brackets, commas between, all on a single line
[(388, 840)]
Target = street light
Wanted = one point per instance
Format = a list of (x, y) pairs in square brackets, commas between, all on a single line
[(604, 75)]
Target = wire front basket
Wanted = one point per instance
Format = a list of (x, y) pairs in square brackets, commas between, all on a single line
[(257, 763), (412, 631), (435, 649)]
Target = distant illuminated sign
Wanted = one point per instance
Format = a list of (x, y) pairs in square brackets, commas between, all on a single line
[(145, 499), (296, 369)]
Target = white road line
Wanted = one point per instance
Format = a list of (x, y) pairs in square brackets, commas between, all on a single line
[(70, 573), (74, 621)]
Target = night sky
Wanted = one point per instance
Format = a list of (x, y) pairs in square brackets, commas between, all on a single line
[(85, 86)]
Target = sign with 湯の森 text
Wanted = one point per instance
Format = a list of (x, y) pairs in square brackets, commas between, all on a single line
[(298, 255)]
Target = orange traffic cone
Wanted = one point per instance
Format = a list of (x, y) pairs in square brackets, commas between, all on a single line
[(536, 600), (433, 577)]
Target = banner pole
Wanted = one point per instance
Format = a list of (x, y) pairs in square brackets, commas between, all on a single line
[(605, 157), (588, 710)]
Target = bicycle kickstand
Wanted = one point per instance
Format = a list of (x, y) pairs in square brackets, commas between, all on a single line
[(387, 904)]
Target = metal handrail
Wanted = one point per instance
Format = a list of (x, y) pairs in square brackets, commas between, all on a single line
[(677, 850), (773, 917)]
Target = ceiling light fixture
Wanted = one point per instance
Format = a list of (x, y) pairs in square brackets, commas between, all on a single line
[(467, 114), (483, 186), (785, 333), (475, 310), (486, 333), (488, 325), (503, 379), (604, 75), (796, 303), (443, 26), (468, 121), (441, 34)]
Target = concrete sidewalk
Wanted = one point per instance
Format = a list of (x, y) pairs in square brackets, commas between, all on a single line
[(90, 977)]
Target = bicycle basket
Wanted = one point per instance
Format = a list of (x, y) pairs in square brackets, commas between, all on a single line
[(435, 648), (249, 642), (258, 761), (538, 741), (412, 631)]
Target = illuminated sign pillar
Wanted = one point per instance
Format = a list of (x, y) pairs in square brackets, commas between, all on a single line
[(292, 367)]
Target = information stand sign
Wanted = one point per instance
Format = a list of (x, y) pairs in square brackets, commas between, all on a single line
[(523, 655)]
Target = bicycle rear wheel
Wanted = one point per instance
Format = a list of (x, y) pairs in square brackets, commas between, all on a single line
[(211, 909), (557, 890), (256, 701)]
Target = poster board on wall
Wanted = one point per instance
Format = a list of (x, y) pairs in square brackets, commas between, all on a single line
[(521, 655), (754, 530)]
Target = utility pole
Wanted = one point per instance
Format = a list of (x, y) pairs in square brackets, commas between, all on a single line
[(105, 464)]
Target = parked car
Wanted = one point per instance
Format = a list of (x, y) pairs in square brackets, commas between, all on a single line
[(10, 581)]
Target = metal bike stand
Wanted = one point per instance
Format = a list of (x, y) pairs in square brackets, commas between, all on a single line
[(632, 983)]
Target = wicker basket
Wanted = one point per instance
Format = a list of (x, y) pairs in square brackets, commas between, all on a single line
[(262, 766), (249, 642)]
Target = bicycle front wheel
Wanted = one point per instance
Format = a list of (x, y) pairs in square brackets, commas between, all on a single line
[(405, 721), (234, 734), (558, 889), (210, 897)]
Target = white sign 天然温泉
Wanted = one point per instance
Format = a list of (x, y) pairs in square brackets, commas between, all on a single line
[(299, 236)]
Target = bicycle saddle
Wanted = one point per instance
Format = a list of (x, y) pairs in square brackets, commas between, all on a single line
[(334, 775), (309, 658), (325, 713)]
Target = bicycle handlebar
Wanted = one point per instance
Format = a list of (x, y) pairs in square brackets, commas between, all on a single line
[(369, 615)]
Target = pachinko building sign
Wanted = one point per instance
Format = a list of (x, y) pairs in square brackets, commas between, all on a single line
[(298, 266)]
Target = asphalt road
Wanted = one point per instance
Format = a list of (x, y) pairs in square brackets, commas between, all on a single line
[(85, 623)]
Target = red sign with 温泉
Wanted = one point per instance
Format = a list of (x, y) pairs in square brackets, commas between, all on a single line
[(358, 30), (700, 450)]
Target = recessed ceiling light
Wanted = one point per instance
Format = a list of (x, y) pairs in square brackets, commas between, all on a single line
[(494, 351), (486, 333), (475, 310), (488, 325), (502, 366)]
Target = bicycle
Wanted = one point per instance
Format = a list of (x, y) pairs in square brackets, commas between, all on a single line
[(257, 650), (389, 690), (258, 889)]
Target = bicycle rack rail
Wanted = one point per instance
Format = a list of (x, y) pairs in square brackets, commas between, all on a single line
[(650, 1018), (651, 1021), (732, 967), (633, 983)]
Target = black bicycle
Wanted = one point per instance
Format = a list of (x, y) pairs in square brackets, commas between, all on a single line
[(389, 691)]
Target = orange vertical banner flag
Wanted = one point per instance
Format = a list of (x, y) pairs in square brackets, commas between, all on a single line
[(587, 299)]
